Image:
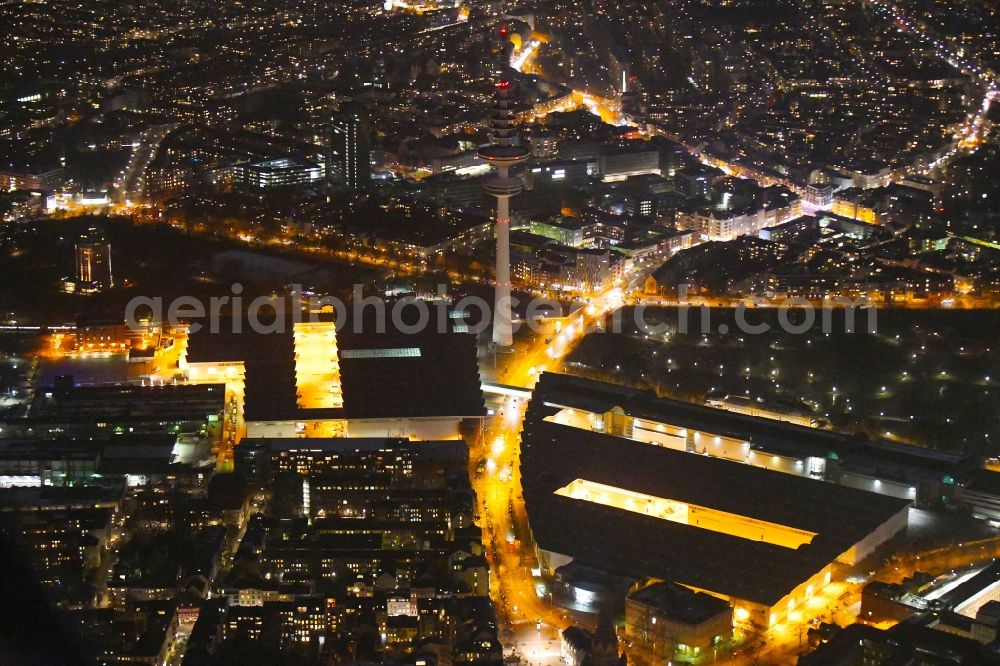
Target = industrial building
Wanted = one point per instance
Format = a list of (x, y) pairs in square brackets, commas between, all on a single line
[(901, 644), (133, 459), (924, 476), (309, 380), (981, 493), (953, 602), (102, 412), (764, 541)]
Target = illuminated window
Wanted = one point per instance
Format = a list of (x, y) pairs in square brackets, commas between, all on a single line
[(401, 352)]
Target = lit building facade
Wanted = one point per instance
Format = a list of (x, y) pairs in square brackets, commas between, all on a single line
[(595, 453), (352, 147), (93, 263), (664, 619), (280, 172)]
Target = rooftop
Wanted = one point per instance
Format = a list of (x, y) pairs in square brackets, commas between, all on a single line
[(441, 380), (679, 603), (382, 375), (891, 460), (984, 481), (446, 450), (115, 403), (631, 543)]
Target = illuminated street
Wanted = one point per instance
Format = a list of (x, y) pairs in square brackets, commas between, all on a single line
[(506, 535)]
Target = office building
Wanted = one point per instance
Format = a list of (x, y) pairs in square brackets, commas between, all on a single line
[(633, 159), (663, 619), (108, 411), (93, 263), (350, 142), (695, 181), (279, 172)]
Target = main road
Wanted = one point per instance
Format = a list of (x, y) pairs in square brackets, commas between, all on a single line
[(529, 619), (130, 184)]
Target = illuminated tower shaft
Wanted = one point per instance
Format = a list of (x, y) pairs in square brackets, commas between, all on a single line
[(503, 153)]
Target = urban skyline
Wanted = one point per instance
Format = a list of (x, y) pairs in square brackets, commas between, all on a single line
[(481, 333)]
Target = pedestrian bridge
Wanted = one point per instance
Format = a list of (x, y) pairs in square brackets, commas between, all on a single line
[(506, 389)]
